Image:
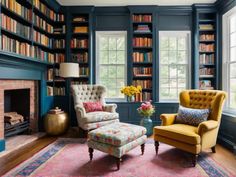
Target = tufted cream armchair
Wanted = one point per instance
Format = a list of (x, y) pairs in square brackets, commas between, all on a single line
[(93, 120)]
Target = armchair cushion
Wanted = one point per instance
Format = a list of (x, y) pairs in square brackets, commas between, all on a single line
[(99, 116), (192, 116), (92, 106), (168, 119), (179, 132), (110, 107)]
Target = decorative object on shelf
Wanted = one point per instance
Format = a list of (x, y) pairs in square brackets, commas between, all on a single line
[(56, 122), (146, 110), (131, 91)]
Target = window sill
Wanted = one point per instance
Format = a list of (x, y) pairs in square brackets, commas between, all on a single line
[(229, 113)]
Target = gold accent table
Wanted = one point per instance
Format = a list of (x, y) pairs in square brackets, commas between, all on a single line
[(56, 122)]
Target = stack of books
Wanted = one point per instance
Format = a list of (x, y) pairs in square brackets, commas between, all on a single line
[(83, 71), (142, 71), (80, 57), (42, 39), (142, 57), (145, 84), (206, 47), (142, 42), (39, 22), (79, 43), (206, 27), (59, 58), (81, 29), (142, 18), (59, 43), (142, 29), (59, 30), (206, 72)]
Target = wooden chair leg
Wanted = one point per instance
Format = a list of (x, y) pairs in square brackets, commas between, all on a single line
[(91, 153), (142, 148), (213, 149), (194, 159), (118, 163), (156, 146)]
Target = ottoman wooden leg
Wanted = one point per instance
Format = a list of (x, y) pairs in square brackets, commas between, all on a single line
[(91, 153), (156, 146), (142, 148), (118, 162)]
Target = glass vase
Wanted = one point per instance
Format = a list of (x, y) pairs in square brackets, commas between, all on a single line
[(130, 98)]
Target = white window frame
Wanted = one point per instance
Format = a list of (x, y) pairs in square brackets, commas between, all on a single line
[(176, 34), (226, 58), (98, 34)]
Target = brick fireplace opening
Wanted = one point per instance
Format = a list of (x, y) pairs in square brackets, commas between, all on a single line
[(21, 97), (16, 111)]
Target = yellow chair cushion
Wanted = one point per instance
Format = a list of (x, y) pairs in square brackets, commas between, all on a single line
[(179, 132)]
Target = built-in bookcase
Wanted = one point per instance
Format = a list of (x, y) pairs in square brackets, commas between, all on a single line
[(142, 54), (80, 47), (207, 50), (32, 30)]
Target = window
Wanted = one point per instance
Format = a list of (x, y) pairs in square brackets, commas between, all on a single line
[(229, 58), (111, 52), (174, 64)]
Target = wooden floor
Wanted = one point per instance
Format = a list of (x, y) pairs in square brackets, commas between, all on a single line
[(8, 162)]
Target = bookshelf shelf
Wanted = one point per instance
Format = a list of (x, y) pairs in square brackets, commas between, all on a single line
[(24, 58), (80, 23), (142, 54), (207, 50), (43, 16), (16, 36)]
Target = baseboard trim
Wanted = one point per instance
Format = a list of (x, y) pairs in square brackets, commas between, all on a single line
[(2, 145), (227, 143)]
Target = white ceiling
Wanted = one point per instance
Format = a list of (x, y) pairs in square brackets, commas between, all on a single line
[(131, 2)]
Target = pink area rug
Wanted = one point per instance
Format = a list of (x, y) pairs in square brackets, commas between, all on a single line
[(69, 157)]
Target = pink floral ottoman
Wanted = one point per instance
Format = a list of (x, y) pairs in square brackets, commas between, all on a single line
[(116, 139)]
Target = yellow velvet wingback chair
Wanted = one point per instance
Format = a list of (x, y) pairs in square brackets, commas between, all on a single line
[(190, 138)]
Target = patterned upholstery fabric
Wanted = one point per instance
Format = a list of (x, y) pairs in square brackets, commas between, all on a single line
[(92, 93), (117, 151), (117, 134), (191, 116), (91, 126)]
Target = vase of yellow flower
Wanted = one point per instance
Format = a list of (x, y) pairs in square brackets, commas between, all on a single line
[(130, 91)]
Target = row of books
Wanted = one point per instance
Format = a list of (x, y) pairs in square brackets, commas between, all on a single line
[(79, 43), (207, 37), (206, 27), (142, 42), (15, 27), (83, 71), (142, 29), (142, 18), (39, 22), (59, 43), (56, 91), (80, 57), (142, 71), (59, 58), (14, 6), (40, 54), (206, 72), (25, 49), (80, 29), (207, 59), (206, 47), (144, 96), (42, 39), (80, 19), (15, 46), (48, 12), (145, 84), (205, 85), (59, 30), (142, 57)]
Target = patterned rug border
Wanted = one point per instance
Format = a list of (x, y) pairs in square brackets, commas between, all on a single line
[(29, 166)]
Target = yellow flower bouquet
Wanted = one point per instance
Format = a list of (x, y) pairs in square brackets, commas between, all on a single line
[(131, 90)]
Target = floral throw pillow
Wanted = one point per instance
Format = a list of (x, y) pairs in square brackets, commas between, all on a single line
[(93, 106), (191, 116)]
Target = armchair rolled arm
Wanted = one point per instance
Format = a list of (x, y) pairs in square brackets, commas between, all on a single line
[(110, 107), (81, 110), (207, 126), (167, 119)]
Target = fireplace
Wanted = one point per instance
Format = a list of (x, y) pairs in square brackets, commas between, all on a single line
[(16, 111), (20, 97)]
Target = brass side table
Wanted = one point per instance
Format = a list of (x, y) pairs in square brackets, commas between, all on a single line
[(56, 122)]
